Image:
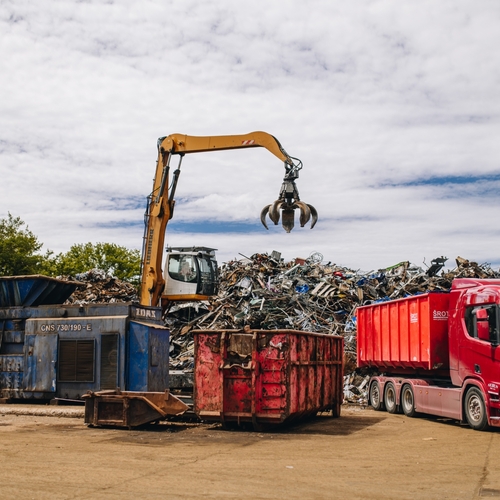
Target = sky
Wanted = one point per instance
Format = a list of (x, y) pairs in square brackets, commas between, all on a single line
[(392, 106)]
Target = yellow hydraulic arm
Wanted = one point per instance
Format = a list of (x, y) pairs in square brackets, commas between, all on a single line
[(161, 202)]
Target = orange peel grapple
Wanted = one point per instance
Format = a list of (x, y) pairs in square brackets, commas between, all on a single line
[(288, 201)]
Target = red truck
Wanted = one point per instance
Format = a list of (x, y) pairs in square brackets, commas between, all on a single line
[(436, 353)]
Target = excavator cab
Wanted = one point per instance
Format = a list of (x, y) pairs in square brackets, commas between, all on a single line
[(190, 274)]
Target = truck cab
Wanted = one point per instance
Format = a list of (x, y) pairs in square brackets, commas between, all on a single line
[(474, 334)]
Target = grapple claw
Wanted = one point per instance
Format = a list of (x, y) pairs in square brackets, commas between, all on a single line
[(288, 201), (314, 214), (263, 214), (274, 211), (287, 217), (305, 212)]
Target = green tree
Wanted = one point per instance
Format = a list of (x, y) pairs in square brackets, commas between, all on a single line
[(19, 249), (114, 259)]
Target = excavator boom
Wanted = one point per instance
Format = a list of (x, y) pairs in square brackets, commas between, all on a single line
[(179, 144)]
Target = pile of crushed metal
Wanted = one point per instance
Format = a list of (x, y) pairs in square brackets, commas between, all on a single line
[(97, 286), (265, 292)]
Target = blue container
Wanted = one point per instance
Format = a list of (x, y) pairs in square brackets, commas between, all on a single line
[(147, 358), (66, 350), (35, 290)]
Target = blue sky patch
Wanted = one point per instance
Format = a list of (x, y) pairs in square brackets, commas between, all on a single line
[(112, 224), (215, 227), (442, 180), (445, 180)]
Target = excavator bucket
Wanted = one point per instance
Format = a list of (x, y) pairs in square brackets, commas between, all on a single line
[(130, 409)]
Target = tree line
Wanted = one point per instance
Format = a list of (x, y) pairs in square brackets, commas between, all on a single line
[(21, 254)]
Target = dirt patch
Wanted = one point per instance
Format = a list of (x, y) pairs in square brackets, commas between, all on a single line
[(363, 454)]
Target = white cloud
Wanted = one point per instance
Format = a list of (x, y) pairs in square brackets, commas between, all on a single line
[(366, 94)]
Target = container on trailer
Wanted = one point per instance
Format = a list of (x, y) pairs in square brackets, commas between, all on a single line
[(409, 333), (266, 376)]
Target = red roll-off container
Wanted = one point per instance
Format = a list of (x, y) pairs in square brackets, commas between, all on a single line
[(266, 377), (404, 334)]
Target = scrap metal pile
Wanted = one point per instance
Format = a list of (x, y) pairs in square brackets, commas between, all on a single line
[(264, 292), (98, 287)]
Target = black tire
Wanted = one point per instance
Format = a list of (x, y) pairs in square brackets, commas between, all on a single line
[(407, 400), (390, 398), (475, 409), (375, 396)]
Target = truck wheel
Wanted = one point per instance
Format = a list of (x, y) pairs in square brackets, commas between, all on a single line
[(408, 401), (375, 397), (390, 398), (475, 409)]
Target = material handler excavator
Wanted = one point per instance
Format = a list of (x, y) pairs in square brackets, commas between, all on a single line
[(191, 273)]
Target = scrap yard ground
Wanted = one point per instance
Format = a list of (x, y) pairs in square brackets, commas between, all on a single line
[(361, 455)]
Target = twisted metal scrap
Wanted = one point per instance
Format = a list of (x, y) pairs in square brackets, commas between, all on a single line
[(265, 292)]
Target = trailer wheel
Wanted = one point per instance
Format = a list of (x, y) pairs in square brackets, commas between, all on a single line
[(390, 398), (475, 409), (408, 401), (375, 397)]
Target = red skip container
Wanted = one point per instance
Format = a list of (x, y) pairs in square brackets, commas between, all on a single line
[(409, 333), (266, 376)]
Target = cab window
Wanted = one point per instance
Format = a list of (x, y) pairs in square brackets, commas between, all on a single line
[(482, 322), (182, 268)]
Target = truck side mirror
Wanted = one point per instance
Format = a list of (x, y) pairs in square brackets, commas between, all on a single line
[(483, 325), (482, 314), (483, 330), (486, 331)]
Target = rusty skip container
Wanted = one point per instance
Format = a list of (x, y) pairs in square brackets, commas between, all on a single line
[(266, 376), (405, 334)]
